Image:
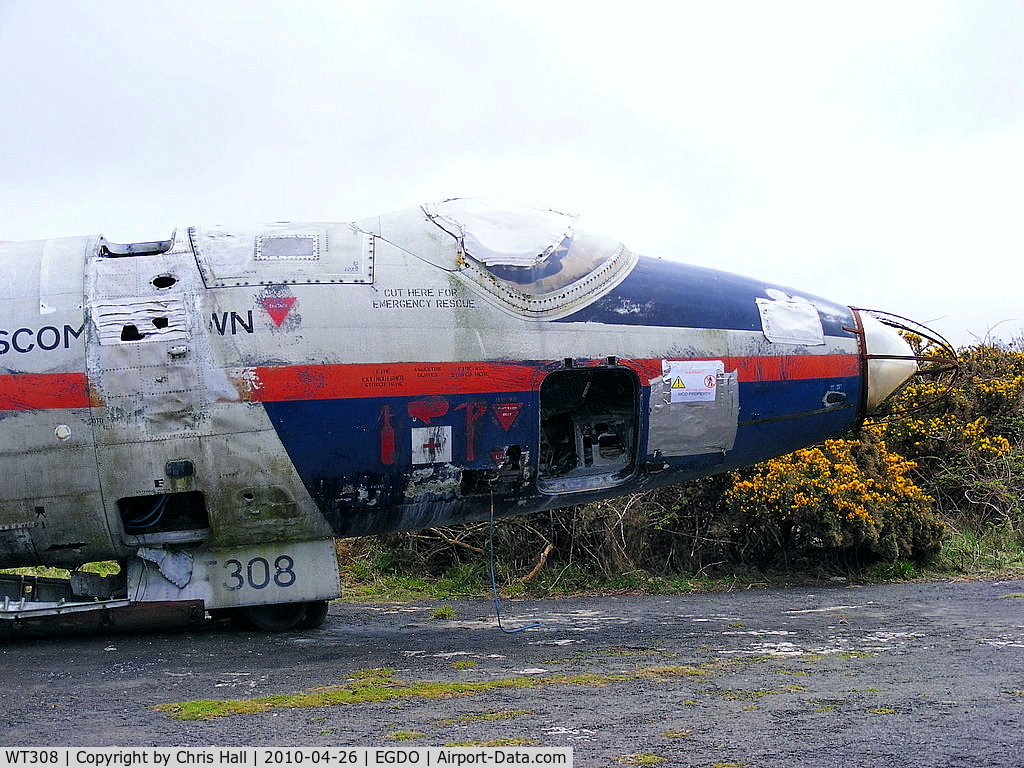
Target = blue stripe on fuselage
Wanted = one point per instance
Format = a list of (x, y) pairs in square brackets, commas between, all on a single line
[(338, 446), (672, 294)]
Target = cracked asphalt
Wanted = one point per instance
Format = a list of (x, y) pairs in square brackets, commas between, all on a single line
[(914, 674)]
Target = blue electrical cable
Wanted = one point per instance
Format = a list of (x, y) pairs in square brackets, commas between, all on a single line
[(494, 580), (151, 518)]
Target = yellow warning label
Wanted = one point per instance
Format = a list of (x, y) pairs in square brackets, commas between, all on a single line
[(692, 381)]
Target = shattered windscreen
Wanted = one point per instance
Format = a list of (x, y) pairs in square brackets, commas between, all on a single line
[(533, 251), (574, 258)]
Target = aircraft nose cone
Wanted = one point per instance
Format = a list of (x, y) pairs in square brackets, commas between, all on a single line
[(890, 361)]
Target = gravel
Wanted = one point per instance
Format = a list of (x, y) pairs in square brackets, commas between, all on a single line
[(913, 674)]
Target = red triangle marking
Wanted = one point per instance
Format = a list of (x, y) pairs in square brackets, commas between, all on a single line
[(507, 413), (278, 307)]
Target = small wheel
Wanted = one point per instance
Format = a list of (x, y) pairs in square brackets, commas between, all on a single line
[(276, 617), (316, 614)]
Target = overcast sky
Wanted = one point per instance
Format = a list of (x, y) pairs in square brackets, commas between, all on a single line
[(872, 153)]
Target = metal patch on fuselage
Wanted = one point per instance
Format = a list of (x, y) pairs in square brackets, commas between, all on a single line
[(694, 408), (288, 247), (790, 320)]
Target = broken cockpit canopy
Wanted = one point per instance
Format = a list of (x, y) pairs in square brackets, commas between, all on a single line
[(531, 260)]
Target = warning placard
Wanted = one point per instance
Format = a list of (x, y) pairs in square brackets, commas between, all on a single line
[(692, 381)]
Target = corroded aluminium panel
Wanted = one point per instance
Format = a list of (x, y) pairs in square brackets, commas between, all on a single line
[(168, 398), (145, 360), (283, 253), (408, 231), (295, 322), (49, 485), (19, 269), (254, 493), (16, 545)]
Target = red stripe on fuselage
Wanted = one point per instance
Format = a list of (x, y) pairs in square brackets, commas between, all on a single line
[(767, 368), (333, 382), (794, 367), (52, 391), (43, 391)]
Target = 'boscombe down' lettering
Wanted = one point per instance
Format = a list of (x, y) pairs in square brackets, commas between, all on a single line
[(46, 339)]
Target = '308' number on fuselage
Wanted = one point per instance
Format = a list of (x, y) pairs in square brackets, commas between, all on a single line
[(258, 573)]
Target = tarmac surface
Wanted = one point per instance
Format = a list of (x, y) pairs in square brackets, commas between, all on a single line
[(914, 674)]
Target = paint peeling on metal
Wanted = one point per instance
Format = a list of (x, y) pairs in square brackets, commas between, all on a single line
[(175, 566), (153, 319), (440, 481), (332, 394), (630, 307), (357, 494)]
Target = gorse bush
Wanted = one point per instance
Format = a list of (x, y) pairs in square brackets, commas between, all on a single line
[(847, 499), (969, 446)]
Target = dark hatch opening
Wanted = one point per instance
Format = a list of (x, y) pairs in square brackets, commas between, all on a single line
[(169, 517), (589, 432)]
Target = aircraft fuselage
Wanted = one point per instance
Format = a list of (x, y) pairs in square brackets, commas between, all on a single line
[(231, 389)]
